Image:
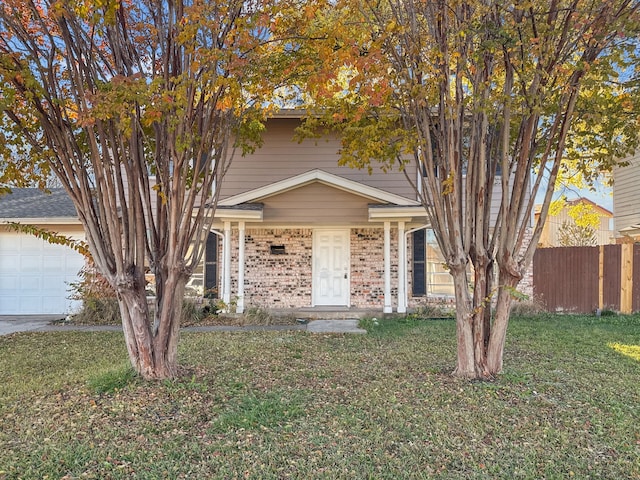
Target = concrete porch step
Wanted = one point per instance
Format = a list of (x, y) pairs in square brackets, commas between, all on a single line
[(334, 326)]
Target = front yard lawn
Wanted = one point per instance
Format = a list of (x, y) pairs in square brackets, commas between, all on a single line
[(298, 405)]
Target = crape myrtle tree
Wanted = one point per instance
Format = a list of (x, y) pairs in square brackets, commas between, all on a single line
[(485, 97), (137, 107)]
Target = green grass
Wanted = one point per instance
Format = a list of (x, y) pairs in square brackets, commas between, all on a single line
[(295, 405)]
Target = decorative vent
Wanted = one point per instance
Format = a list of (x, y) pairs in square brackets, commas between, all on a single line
[(277, 250)]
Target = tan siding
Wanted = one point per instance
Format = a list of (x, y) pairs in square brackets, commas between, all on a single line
[(281, 157), (551, 231), (496, 200), (626, 199), (316, 204)]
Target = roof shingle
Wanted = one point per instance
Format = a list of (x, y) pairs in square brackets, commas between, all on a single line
[(34, 203)]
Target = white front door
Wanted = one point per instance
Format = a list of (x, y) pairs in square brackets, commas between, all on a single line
[(331, 267)]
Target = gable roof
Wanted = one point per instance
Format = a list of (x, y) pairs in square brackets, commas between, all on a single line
[(33, 203), (319, 176), (582, 200), (598, 208)]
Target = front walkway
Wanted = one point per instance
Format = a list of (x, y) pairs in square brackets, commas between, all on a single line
[(42, 323)]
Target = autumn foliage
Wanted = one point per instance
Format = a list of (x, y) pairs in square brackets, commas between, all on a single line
[(137, 107), (494, 102)]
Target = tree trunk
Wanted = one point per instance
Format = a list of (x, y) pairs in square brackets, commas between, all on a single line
[(481, 315), (153, 349), (473, 322), (466, 363), (167, 324), (495, 350), (137, 332)]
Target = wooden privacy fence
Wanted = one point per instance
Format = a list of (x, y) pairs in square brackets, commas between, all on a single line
[(584, 279)]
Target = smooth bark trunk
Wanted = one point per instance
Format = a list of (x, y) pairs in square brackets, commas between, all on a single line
[(495, 350), (466, 364), (153, 346), (481, 315), (473, 323)]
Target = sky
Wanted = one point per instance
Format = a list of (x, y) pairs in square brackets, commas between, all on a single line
[(603, 195)]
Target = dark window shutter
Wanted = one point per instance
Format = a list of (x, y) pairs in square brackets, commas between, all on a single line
[(211, 266), (419, 264)]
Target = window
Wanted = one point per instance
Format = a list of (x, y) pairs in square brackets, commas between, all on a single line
[(419, 272), (430, 275), (211, 266)]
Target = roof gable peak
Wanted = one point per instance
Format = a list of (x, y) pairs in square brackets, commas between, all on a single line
[(319, 176)]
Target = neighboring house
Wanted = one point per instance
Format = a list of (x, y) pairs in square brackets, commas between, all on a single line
[(552, 228), (34, 274), (626, 199)]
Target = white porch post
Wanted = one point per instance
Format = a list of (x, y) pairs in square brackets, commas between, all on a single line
[(241, 231), (402, 269), (387, 268), (226, 251)]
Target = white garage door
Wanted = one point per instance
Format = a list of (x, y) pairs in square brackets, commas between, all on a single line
[(35, 276)]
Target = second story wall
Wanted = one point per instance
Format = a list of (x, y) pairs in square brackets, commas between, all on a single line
[(282, 157), (626, 195)]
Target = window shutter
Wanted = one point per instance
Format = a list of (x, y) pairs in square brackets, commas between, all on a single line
[(418, 258), (211, 266)]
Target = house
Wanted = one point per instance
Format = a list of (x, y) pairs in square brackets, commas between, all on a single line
[(626, 200), (34, 274), (293, 230), (551, 232)]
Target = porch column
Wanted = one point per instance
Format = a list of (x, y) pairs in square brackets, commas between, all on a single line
[(241, 231), (402, 269), (226, 263), (387, 268)]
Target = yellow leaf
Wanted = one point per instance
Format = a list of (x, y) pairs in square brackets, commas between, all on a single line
[(447, 185)]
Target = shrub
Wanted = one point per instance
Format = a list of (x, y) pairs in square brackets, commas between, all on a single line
[(527, 308), (192, 312), (98, 311), (435, 311)]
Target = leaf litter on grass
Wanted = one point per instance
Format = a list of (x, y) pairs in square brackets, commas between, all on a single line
[(291, 405)]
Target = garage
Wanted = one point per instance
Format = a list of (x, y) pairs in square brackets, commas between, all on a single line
[(35, 275)]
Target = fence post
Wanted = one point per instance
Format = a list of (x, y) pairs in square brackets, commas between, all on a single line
[(601, 278), (626, 278)]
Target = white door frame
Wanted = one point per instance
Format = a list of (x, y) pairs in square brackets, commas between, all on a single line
[(345, 268)]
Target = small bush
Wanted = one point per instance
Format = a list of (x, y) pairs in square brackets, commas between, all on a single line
[(91, 284), (192, 313), (527, 308), (434, 311), (98, 311), (258, 316)]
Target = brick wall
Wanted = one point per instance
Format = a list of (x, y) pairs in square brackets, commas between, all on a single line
[(275, 281), (367, 267), (285, 281)]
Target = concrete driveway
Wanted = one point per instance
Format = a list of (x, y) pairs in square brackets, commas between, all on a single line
[(24, 323)]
